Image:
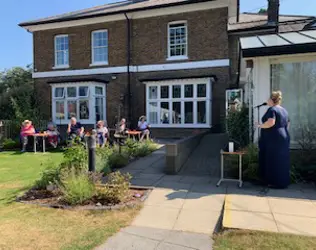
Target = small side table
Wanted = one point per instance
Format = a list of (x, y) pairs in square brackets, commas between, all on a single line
[(43, 136), (134, 134), (240, 155)]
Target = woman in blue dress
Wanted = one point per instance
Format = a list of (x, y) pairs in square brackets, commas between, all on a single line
[(274, 144)]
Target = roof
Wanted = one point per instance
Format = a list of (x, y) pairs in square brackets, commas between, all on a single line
[(254, 21), (279, 44), (113, 8)]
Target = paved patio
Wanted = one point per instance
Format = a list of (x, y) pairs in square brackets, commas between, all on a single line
[(183, 211)]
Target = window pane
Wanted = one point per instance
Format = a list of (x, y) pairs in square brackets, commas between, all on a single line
[(176, 91), (153, 92), (71, 91), (201, 90), (164, 112), (59, 92), (84, 109), (100, 54), (153, 114), (98, 90), (83, 91), (176, 113), (61, 50), (177, 39), (188, 91), (188, 112), (164, 91), (99, 108), (72, 109), (60, 110), (201, 112)]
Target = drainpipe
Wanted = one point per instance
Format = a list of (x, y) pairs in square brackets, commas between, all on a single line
[(128, 60), (239, 66)]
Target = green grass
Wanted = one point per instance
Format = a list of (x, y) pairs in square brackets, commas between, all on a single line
[(250, 240), (32, 227)]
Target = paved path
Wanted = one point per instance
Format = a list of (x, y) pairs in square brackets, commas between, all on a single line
[(184, 210)]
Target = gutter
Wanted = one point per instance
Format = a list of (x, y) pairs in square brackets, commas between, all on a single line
[(128, 63)]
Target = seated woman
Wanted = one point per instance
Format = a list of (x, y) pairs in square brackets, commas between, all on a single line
[(27, 129), (75, 129), (52, 135), (102, 133), (143, 126)]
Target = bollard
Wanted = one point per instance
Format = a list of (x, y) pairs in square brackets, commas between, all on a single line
[(92, 144)]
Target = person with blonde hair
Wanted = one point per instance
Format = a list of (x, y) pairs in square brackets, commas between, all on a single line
[(102, 133), (274, 144), (27, 129)]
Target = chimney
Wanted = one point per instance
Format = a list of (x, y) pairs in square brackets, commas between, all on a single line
[(273, 12)]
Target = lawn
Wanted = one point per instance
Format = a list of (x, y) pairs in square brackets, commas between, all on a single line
[(31, 227), (249, 240)]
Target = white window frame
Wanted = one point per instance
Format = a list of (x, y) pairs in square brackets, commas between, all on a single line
[(61, 66), (93, 63), (182, 57), (182, 100), (90, 97)]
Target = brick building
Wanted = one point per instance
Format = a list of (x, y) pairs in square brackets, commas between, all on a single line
[(171, 60)]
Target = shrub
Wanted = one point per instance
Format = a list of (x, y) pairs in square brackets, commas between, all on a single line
[(51, 175), (76, 188), (237, 124), (117, 160), (140, 149), (116, 188), (102, 160), (251, 162), (10, 144), (75, 157)]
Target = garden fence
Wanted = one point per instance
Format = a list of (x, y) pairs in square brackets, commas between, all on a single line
[(11, 128)]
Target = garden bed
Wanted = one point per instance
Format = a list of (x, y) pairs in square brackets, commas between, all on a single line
[(53, 199)]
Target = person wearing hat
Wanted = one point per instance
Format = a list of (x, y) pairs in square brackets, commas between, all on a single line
[(26, 130), (143, 126)]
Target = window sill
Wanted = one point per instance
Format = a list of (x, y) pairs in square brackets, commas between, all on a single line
[(177, 58), (61, 67), (99, 64)]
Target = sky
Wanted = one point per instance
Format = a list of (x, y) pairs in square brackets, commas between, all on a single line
[(16, 43)]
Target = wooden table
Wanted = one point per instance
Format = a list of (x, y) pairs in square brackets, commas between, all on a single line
[(134, 134), (43, 135), (239, 154)]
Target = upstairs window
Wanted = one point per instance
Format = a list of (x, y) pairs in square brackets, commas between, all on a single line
[(177, 40), (61, 51), (100, 47)]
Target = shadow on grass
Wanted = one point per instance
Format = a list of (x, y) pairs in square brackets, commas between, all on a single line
[(10, 196)]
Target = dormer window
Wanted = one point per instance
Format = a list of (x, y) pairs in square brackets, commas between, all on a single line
[(177, 41)]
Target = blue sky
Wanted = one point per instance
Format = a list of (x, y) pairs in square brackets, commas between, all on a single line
[(16, 43)]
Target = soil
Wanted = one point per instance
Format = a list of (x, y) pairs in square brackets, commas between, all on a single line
[(54, 199)]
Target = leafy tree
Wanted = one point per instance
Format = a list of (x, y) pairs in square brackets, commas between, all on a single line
[(262, 11)]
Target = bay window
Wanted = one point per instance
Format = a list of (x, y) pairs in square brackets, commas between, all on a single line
[(85, 101), (179, 103)]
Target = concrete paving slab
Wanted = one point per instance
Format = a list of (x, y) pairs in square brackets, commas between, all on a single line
[(124, 241), (198, 221), (192, 240), (143, 182), (292, 207), (196, 179), (296, 224), (146, 176), (249, 220), (166, 198), (287, 194), (168, 246), (157, 217), (201, 201), (207, 189), (171, 178), (247, 203), (148, 232), (173, 185)]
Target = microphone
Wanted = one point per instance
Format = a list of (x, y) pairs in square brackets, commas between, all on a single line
[(263, 104)]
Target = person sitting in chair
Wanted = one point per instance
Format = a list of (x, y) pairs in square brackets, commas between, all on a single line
[(75, 129), (102, 133), (143, 126), (52, 135), (26, 130)]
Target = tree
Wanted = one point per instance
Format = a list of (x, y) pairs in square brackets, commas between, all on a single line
[(262, 11), (17, 97)]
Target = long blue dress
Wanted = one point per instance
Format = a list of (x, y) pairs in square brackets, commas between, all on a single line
[(274, 149)]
